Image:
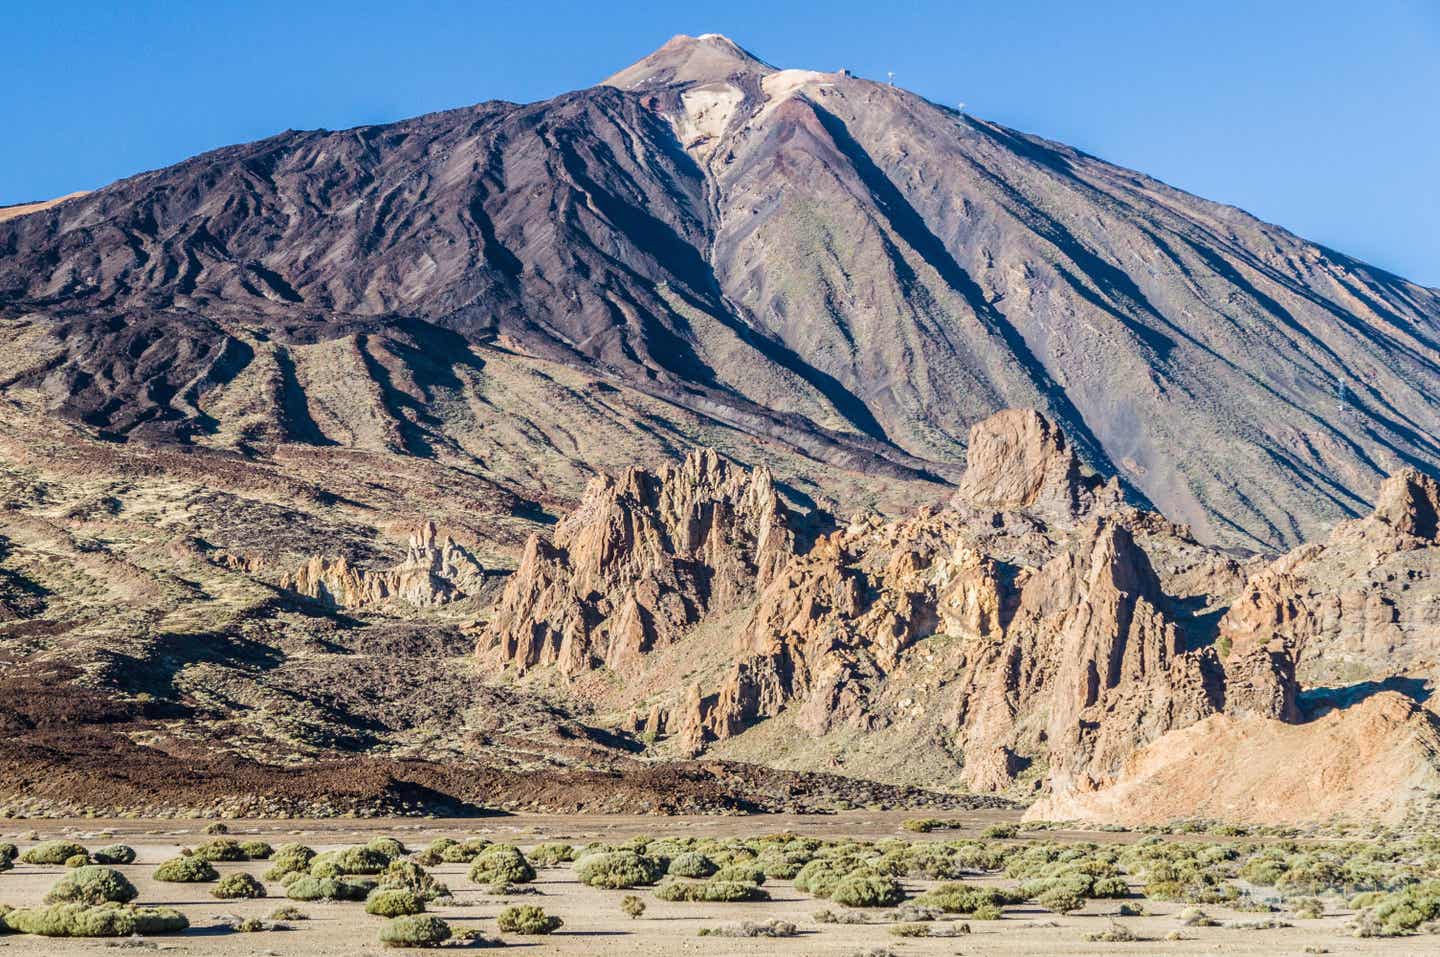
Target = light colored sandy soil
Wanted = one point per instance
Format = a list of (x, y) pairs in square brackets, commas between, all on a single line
[(594, 924), (23, 209)]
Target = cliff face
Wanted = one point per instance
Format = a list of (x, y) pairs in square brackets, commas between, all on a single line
[(1361, 605), (640, 560), (1020, 634), (435, 571), (827, 265)]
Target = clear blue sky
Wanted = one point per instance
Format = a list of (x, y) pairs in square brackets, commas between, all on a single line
[(1322, 116)]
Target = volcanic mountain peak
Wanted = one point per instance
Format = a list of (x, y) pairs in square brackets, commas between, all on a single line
[(687, 59), (817, 266)]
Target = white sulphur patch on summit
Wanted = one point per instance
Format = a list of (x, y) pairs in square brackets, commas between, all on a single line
[(784, 83), (707, 111)]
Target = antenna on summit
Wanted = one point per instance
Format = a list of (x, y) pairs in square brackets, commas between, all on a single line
[(891, 75)]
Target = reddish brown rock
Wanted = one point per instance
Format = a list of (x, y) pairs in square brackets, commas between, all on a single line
[(1017, 461), (1364, 604), (640, 560), (435, 570)]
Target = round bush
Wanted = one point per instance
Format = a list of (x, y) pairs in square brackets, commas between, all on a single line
[(957, 898), (186, 870), (289, 859), (745, 872), (819, 877), (860, 890), (351, 860), (710, 892), (502, 864), (387, 846), (1060, 900), (409, 876), (52, 852), (328, 888), (92, 885), (86, 920), (551, 854), (529, 920), (224, 850), (692, 864), (238, 886), (414, 930), (115, 854), (465, 851), (8, 851), (79, 860), (618, 869), (257, 850), (393, 903)]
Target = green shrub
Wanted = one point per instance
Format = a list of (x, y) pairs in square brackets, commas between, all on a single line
[(1401, 912), (415, 930), (115, 854), (288, 912), (409, 876), (92, 884), (218, 827), (529, 920), (86, 920), (617, 870), (350, 860), (289, 859), (388, 846), (863, 890), (502, 864), (224, 850), (819, 877), (238, 886), (79, 860), (8, 851), (997, 832), (956, 898), (550, 854), (910, 930), (328, 888), (52, 852), (748, 873), (923, 825), (257, 850), (186, 870), (1060, 900), (393, 903), (692, 864), (709, 892), (632, 906), (447, 851)]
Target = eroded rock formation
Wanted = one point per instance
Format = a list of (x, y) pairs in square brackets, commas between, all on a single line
[(1362, 605), (640, 560), (1033, 632), (436, 570)]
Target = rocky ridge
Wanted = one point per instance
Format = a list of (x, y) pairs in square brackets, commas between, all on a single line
[(709, 243), (1032, 633), (435, 571)]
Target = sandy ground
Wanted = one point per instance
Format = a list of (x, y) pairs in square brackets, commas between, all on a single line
[(594, 924)]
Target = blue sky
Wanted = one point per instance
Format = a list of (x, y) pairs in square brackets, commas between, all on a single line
[(1321, 116)]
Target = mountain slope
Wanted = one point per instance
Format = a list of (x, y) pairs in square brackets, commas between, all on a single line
[(836, 267)]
